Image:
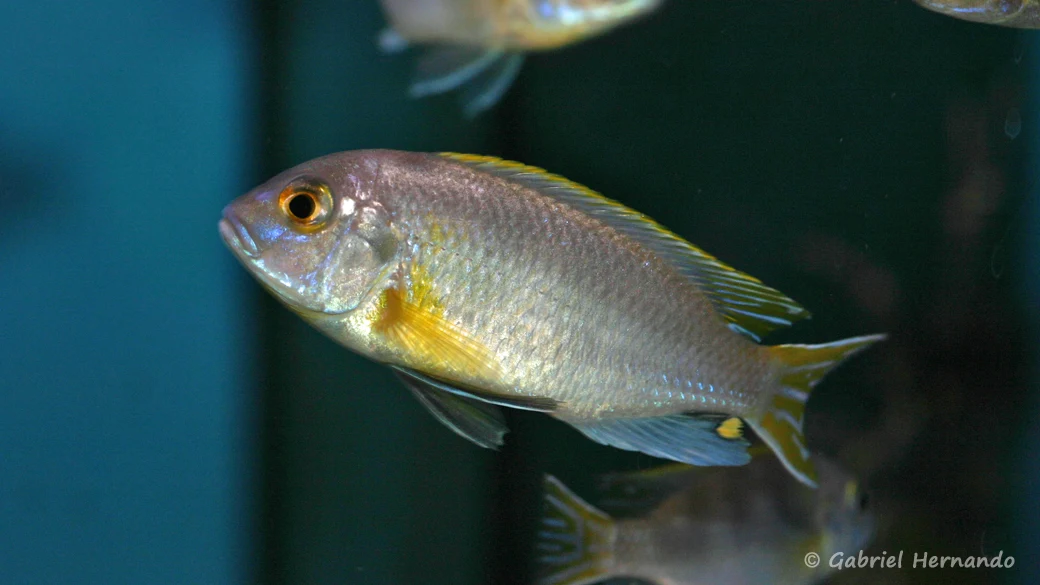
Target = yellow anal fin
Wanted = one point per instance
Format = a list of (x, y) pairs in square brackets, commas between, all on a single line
[(430, 342)]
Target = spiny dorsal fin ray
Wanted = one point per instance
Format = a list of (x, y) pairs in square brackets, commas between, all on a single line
[(750, 307)]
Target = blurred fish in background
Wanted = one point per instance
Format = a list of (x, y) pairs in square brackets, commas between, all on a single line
[(1013, 13), (478, 46), (681, 525), (488, 283)]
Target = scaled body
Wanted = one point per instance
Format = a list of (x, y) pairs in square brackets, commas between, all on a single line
[(488, 282)]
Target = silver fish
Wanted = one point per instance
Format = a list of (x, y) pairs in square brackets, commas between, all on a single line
[(487, 283), (479, 45), (679, 525)]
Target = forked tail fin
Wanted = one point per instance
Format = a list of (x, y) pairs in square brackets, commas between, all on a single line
[(575, 543), (801, 367)]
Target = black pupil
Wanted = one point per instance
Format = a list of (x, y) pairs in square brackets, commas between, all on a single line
[(302, 206), (863, 501)]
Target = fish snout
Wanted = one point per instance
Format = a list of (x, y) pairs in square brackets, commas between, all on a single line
[(236, 236)]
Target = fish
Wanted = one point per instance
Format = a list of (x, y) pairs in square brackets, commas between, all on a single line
[(1011, 13), (485, 283), (479, 45), (682, 525)]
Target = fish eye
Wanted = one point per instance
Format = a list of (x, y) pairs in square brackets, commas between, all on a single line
[(306, 202), (863, 502), (302, 206)]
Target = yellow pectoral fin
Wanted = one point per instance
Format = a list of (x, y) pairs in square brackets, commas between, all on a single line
[(431, 342)]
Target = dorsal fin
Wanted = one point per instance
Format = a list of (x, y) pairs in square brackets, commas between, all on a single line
[(750, 307)]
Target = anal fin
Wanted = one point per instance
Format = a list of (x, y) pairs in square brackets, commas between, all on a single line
[(697, 439)]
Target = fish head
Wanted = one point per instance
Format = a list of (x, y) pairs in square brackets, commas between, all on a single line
[(843, 512), (313, 235), (572, 20)]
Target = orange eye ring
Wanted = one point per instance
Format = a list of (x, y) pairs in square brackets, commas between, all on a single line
[(306, 202)]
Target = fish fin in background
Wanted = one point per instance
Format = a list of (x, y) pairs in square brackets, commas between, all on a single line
[(636, 493), (537, 404), (697, 439), (477, 421), (575, 541), (390, 41), (487, 88), (750, 307), (801, 368), (442, 69)]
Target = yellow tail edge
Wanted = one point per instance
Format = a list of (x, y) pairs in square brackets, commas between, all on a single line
[(801, 368)]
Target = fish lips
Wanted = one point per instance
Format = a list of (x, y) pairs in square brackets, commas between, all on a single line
[(238, 238), (241, 243)]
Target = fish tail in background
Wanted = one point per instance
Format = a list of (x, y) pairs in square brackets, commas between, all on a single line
[(575, 541), (801, 368)]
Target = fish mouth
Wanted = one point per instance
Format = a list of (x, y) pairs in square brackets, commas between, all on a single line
[(238, 238)]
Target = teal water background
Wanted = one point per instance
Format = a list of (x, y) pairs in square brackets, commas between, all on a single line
[(163, 421)]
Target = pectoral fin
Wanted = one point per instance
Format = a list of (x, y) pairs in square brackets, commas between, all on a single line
[(416, 326), (477, 421), (697, 439)]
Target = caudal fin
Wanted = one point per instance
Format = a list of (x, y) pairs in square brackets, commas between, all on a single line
[(575, 543), (801, 368)]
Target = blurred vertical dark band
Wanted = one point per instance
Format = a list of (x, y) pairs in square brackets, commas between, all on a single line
[(269, 18)]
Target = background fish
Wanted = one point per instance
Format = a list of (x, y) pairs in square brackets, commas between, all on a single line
[(487, 283), (479, 44), (679, 525), (1013, 13)]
